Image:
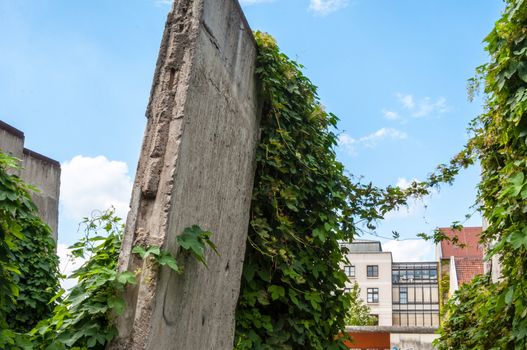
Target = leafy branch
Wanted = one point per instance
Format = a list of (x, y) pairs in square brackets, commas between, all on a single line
[(193, 240)]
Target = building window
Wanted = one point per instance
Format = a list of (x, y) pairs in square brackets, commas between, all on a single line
[(373, 295), (349, 270), (372, 270), (403, 295)]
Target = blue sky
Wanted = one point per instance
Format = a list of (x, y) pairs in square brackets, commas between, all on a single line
[(75, 77)]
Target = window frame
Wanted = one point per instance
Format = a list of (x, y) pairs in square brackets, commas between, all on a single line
[(349, 270), (374, 271), (373, 292), (403, 291)]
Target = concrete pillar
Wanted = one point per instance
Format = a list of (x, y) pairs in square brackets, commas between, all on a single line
[(196, 167)]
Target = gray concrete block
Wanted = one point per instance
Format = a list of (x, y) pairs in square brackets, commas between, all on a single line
[(196, 167)]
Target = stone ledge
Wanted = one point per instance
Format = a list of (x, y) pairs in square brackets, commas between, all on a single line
[(41, 157), (392, 329)]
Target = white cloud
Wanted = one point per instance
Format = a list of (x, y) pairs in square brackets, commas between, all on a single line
[(325, 7), (390, 115), (410, 250), (403, 183), (422, 107), (348, 143), (371, 140), (406, 100), (67, 265), (94, 183), (415, 206), (346, 140)]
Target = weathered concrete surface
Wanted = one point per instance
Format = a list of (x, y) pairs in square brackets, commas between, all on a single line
[(196, 167), (11, 140), (37, 170), (44, 173)]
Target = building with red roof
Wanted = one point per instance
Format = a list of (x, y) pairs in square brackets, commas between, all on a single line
[(460, 261)]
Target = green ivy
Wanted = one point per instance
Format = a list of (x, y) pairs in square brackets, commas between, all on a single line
[(475, 319), (193, 240), (28, 264), (484, 315), (292, 294), (83, 319)]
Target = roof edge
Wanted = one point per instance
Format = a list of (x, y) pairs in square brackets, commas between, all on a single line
[(12, 130), (41, 157), (464, 227)]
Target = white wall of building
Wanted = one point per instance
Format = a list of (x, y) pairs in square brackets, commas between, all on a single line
[(383, 282)]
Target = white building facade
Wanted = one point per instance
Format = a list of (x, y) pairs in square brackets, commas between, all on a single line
[(371, 269), (403, 294)]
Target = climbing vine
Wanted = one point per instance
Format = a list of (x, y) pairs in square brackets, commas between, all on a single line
[(499, 320), (475, 321), (83, 317), (28, 266), (303, 205)]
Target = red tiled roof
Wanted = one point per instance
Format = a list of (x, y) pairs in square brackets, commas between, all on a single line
[(467, 268), (469, 236)]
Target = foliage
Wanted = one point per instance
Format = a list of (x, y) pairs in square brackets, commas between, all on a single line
[(500, 136), (477, 319), (83, 319), (28, 265), (292, 294), (161, 257), (444, 290), (359, 314), (193, 240), (303, 205)]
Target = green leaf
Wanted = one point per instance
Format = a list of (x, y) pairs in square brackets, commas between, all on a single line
[(320, 234), (58, 295), (522, 71), (276, 291), (509, 295), (194, 239), (117, 304), (126, 277), (168, 260), (145, 253)]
